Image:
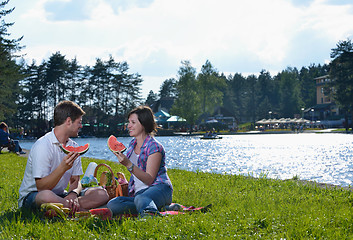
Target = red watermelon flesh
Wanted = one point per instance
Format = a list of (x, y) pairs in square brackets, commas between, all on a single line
[(80, 149), (102, 213), (114, 145)]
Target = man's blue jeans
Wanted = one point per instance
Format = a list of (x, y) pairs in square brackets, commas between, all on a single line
[(150, 199)]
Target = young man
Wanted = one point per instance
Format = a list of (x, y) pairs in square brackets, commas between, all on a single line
[(49, 170)]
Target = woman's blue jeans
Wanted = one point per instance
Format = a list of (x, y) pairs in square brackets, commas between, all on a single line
[(150, 199)]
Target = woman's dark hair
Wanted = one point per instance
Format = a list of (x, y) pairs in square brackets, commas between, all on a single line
[(146, 118), (66, 109)]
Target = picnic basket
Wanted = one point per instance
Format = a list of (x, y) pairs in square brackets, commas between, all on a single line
[(123, 187), (114, 189)]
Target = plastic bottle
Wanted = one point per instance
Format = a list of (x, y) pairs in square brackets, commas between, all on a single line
[(90, 169)]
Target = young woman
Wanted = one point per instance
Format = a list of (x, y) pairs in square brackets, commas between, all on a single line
[(150, 188)]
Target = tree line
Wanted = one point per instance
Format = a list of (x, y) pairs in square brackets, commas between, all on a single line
[(247, 98), (253, 97), (106, 91)]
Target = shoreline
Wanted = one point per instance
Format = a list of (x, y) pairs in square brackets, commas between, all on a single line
[(280, 131), (303, 182)]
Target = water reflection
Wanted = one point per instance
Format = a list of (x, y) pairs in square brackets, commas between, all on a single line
[(324, 158)]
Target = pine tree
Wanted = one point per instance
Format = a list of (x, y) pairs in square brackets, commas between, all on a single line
[(10, 71), (341, 75)]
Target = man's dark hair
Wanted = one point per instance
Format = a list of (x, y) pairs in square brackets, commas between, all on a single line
[(66, 109), (146, 118)]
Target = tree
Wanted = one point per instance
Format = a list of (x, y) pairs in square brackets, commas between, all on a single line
[(234, 99), (151, 98), (55, 78), (341, 75), (131, 92), (210, 88), (34, 93), (308, 84), (73, 80), (10, 72), (264, 92), (289, 92), (251, 97), (187, 104), (345, 46), (85, 97), (168, 88), (100, 86)]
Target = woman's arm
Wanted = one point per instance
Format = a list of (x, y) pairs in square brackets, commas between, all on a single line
[(152, 167)]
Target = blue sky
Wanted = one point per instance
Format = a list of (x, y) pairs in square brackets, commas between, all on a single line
[(154, 36)]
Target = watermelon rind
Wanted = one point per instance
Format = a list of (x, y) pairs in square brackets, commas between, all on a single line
[(113, 138), (63, 149), (66, 151)]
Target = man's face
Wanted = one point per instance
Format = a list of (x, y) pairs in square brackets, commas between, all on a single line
[(75, 127)]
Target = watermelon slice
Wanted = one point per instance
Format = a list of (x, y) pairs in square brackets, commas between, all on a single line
[(114, 145), (81, 149), (102, 213)]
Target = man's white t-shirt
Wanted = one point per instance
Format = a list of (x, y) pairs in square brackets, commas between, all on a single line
[(44, 157)]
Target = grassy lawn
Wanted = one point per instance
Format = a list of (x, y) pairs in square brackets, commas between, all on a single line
[(243, 208)]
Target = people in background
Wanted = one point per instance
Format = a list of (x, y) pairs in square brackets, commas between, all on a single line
[(6, 141)]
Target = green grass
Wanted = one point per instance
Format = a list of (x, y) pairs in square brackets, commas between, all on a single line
[(243, 208), (342, 130)]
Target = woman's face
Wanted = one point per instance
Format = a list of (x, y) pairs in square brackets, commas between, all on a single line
[(134, 126)]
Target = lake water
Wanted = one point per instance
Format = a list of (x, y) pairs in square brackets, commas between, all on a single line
[(325, 158)]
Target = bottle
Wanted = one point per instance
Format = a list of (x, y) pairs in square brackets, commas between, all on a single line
[(90, 169)]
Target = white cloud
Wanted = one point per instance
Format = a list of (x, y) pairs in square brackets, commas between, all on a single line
[(154, 36)]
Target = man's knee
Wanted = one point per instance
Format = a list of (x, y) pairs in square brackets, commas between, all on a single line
[(46, 196), (99, 194)]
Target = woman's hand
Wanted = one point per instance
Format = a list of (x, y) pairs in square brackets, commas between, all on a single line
[(123, 159)]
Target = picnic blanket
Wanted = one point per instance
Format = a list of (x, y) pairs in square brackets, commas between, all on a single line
[(57, 210)]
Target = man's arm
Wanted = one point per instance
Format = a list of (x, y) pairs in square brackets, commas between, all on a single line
[(75, 184), (50, 181), (74, 190)]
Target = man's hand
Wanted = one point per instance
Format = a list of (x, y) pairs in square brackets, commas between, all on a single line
[(69, 160), (72, 201), (50, 181)]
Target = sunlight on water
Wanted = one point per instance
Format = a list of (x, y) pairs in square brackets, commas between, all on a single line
[(320, 157), (325, 158)]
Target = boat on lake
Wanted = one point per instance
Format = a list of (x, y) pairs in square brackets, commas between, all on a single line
[(211, 137)]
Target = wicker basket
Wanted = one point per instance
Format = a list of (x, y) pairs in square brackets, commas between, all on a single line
[(114, 189), (111, 190), (122, 189)]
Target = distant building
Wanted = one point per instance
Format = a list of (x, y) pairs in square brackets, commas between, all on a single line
[(321, 96), (325, 110), (163, 104), (325, 105), (223, 116)]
